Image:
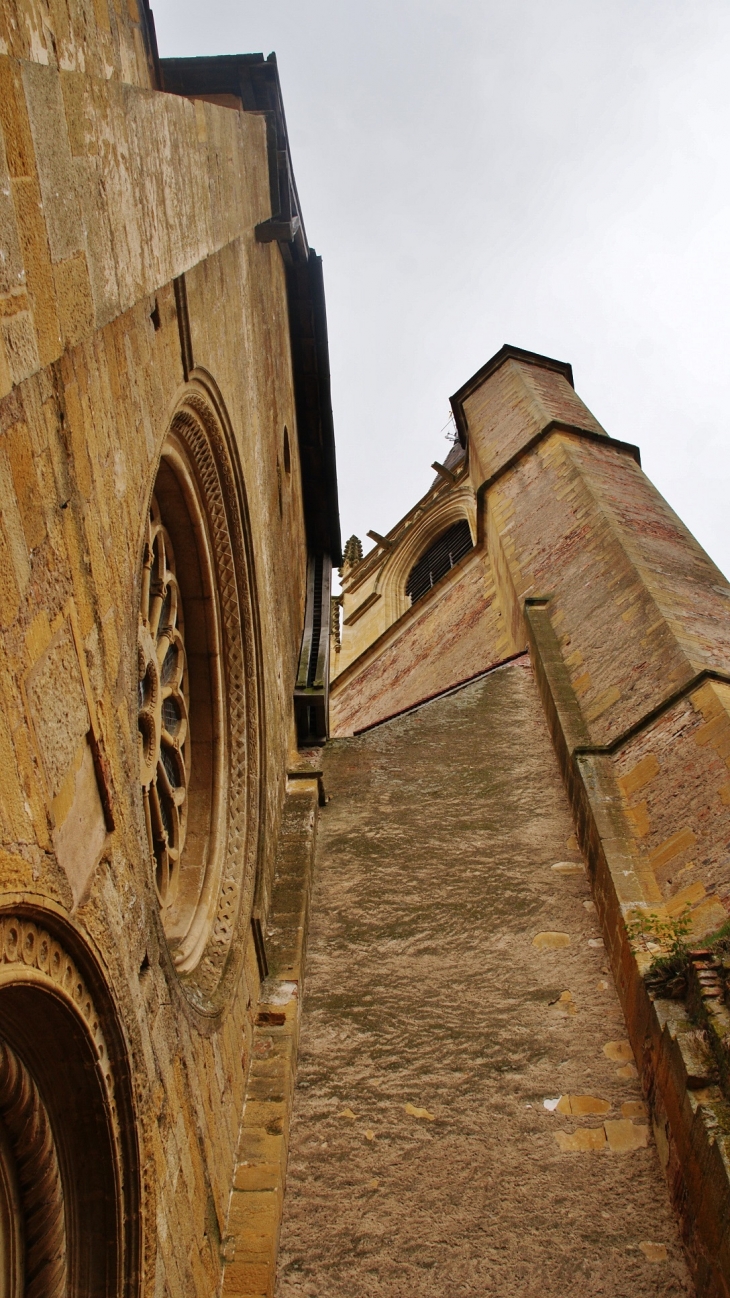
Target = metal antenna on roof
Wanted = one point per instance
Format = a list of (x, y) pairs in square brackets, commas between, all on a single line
[(450, 430)]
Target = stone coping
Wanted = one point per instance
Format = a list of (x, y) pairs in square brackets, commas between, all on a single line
[(257, 1194)]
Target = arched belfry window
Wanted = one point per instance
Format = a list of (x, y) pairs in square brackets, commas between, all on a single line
[(439, 559)]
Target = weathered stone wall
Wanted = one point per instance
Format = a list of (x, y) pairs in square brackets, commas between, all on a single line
[(467, 1118), (393, 654), (453, 633), (107, 192), (111, 191), (374, 589), (639, 607), (640, 611), (102, 38), (512, 405), (628, 622), (673, 778)]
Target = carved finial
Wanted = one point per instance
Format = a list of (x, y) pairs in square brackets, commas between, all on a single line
[(353, 552), (335, 621)]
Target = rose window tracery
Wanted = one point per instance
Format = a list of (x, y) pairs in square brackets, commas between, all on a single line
[(197, 680), (164, 751)]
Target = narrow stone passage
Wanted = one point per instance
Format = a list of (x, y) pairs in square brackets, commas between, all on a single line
[(467, 1117)]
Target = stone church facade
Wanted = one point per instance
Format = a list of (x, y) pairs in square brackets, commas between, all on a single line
[(168, 524), (168, 497), (542, 540)]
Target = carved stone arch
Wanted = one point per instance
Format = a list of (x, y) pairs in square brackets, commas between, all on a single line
[(12, 1235), (68, 1143), (38, 1233), (200, 702), (445, 510)]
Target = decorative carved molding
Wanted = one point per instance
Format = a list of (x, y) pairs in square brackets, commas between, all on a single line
[(30, 1137), (362, 608), (440, 513), (59, 1118), (31, 955), (27, 946), (163, 709), (201, 954), (336, 621)]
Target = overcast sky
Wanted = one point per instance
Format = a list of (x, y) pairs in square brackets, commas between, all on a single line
[(549, 173)]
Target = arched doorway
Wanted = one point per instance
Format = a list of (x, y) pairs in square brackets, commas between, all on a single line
[(69, 1199)]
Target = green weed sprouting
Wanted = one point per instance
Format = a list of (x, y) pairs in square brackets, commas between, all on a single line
[(669, 934), (720, 942), (667, 975)]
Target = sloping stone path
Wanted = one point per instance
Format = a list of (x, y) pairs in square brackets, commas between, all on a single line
[(467, 1116)]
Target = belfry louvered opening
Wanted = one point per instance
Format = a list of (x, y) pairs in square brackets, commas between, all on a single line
[(439, 559)]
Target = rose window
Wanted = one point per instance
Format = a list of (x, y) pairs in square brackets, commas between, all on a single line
[(199, 726), (164, 750)]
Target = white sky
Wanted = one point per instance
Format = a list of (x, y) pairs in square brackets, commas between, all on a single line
[(553, 175)]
